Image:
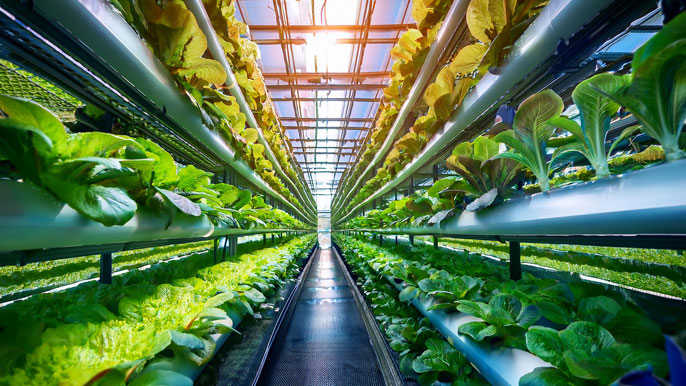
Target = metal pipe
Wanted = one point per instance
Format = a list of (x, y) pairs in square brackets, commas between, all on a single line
[(641, 208), (32, 219), (106, 268), (515, 260)]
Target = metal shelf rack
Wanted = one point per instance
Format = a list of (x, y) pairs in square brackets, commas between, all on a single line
[(88, 48)]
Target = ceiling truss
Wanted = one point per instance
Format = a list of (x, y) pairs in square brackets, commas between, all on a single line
[(326, 146)]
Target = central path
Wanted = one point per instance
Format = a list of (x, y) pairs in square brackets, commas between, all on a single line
[(326, 342)]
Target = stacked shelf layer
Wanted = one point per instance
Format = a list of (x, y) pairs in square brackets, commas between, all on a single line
[(30, 219), (501, 367), (217, 51), (639, 209), (556, 23), (102, 59), (445, 35)]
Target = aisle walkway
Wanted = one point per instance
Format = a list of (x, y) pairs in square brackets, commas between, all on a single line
[(326, 343)]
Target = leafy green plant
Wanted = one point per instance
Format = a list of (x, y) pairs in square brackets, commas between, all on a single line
[(107, 177), (596, 111), (441, 362), (488, 179), (121, 332), (531, 133), (554, 300), (428, 13), (504, 318), (447, 290), (587, 351), (496, 25), (655, 91)]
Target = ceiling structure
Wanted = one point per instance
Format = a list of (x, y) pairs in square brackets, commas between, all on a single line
[(325, 64)]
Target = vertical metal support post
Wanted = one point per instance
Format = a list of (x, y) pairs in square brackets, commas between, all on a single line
[(264, 239), (410, 188), (411, 239), (226, 242), (273, 242), (515, 260), (435, 172), (435, 242), (216, 242), (396, 239), (233, 245), (106, 268), (381, 235)]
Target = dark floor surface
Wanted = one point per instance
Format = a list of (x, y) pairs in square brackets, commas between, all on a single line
[(326, 343)]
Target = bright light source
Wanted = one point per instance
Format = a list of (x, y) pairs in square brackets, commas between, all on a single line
[(332, 133), (324, 177)]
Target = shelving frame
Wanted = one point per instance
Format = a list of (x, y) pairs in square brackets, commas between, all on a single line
[(34, 222), (90, 50), (527, 70), (445, 35), (198, 9), (636, 209)]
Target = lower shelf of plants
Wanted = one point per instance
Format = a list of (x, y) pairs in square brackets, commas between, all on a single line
[(528, 332), (160, 325)]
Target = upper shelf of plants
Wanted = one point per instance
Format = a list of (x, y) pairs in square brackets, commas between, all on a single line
[(582, 103), (627, 115), (149, 66)]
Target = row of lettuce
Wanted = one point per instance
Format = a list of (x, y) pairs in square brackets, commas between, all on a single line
[(422, 353), (492, 167), (493, 27), (18, 281), (408, 55), (108, 177), (143, 326), (657, 271), (587, 334), (172, 33), (539, 140)]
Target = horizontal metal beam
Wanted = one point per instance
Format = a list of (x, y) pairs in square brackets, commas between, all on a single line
[(326, 153), (367, 100), (329, 148), (328, 140), (324, 75), (347, 128), (368, 87), (325, 163), (361, 120), (337, 28), (301, 41)]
